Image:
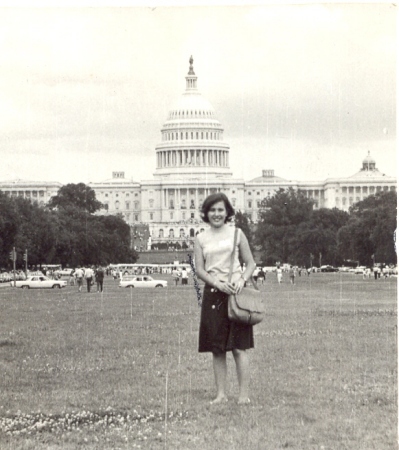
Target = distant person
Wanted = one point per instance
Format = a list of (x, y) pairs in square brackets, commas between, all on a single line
[(72, 278), (261, 276), (184, 276), (99, 277), (89, 278), (291, 273), (279, 272), (79, 274), (175, 275)]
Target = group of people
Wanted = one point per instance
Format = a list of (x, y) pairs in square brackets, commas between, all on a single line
[(180, 274), (376, 271), (89, 275)]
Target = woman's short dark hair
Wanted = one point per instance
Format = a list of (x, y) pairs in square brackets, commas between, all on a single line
[(215, 198)]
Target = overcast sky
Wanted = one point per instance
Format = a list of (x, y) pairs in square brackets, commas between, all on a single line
[(306, 90)]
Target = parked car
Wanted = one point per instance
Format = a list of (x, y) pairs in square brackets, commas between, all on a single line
[(359, 269), (38, 282), (143, 282), (328, 269)]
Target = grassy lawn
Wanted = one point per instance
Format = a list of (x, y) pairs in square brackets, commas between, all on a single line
[(121, 369)]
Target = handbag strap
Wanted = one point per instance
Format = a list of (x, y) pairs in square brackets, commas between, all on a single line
[(232, 254), (255, 285)]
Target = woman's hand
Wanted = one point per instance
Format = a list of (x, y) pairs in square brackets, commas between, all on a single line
[(239, 285), (227, 288)]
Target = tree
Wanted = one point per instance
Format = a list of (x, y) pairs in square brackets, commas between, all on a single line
[(78, 195), (36, 232), (279, 219), (68, 235), (8, 227), (85, 239), (318, 236), (242, 221), (117, 239), (370, 230)]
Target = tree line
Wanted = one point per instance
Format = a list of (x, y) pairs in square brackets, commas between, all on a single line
[(66, 231), (289, 230)]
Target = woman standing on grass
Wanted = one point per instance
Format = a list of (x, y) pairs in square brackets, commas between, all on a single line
[(213, 249)]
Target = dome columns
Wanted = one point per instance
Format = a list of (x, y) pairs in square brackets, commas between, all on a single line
[(192, 157)]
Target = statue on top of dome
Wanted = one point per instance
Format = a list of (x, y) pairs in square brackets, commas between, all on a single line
[(191, 71)]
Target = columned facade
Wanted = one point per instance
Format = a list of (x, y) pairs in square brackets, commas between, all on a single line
[(36, 191)]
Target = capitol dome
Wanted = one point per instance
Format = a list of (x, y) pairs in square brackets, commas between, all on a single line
[(368, 163), (368, 159), (191, 104), (192, 137)]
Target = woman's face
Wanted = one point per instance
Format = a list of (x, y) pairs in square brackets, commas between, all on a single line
[(217, 214)]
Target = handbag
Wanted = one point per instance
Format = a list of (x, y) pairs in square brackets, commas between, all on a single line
[(247, 307)]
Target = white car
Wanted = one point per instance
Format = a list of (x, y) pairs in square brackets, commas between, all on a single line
[(39, 282), (143, 282)]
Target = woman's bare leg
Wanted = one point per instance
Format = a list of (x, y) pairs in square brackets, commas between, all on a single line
[(242, 366), (220, 371)]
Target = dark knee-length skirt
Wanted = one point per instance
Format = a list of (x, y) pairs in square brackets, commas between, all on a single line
[(217, 333)]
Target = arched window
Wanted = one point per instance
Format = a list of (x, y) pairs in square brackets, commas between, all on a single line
[(117, 204), (181, 232), (151, 202), (192, 232), (161, 233), (171, 233)]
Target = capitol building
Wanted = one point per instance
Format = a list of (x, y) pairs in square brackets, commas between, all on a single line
[(191, 162)]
